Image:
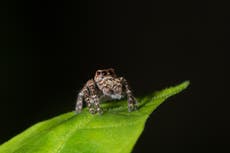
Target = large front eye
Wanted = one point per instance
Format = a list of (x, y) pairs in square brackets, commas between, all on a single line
[(98, 73), (111, 72)]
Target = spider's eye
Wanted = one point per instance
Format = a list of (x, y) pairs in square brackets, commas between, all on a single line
[(98, 73), (110, 72), (104, 73)]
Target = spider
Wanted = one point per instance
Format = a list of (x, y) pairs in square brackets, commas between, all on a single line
[(105, 86)]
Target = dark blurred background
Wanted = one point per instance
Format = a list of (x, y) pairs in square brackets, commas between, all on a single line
[(50, 49)]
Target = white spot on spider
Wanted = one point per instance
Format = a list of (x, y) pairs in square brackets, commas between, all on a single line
[(81, 94), (116, 96)]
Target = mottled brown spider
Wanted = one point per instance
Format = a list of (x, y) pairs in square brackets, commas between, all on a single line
[(105, 86)]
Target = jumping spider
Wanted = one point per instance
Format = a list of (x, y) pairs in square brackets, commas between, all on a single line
[(105, 85)]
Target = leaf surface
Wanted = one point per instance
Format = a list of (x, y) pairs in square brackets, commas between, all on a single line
[(116, 131)]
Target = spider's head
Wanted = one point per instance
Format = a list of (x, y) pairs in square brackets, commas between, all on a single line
[(100, 74)]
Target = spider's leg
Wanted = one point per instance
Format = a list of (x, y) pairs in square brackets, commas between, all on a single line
[(97, 104), (94, 96), (90, 104), (132, 102), (81, 96)]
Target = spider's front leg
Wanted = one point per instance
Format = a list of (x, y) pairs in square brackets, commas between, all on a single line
[(132, 102), (94, 97), (89, 94)]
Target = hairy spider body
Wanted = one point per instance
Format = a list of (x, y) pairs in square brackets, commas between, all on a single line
[(105, 86)]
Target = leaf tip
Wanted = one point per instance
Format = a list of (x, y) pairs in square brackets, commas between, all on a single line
[(185, 84)]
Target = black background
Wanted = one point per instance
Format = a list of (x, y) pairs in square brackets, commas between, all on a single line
[(50, 49)]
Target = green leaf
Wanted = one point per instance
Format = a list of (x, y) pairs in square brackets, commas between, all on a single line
[(116, 131)]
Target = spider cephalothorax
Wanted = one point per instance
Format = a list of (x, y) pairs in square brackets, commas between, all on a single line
[(105, 85)]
